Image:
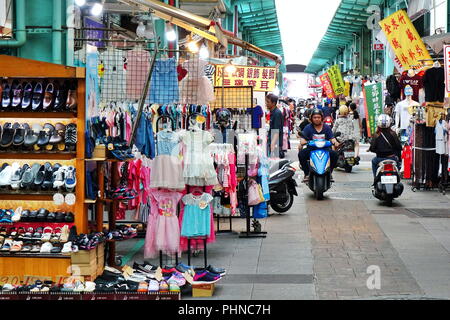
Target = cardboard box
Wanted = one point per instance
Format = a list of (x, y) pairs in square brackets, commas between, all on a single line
[(99, 152), (84, 257), (84, 269), (203, 290)]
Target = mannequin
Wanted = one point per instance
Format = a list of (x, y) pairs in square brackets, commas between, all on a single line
[(357, 85), (411, 78), (404, 109)]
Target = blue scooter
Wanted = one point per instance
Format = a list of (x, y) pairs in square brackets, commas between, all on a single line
[(319, 163)]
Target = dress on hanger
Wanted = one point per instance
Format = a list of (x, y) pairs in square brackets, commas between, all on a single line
[(164, 85), (197, 215), (441, 141), (138, 66), (196, 88)]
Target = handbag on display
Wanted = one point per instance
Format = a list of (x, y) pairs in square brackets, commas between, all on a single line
[(254, 193)]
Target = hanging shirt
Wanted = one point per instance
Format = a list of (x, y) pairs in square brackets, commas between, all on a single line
[(164, 83), (401, 110), (434, 83), (416, 83)]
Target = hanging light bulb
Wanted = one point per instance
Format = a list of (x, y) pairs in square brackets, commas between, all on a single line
[(171, 35), (204, 52), (97, 9), (80, 3), (230, 68)]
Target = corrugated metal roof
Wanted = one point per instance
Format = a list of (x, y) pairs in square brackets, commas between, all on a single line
[(259, 23), (349, 18)]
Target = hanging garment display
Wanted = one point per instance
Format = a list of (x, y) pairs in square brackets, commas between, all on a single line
[(407, 161), (163, 230), (167, 170), (114, 74), (434, 83), (198, 161), (196, 88), (138, 67), (441, 137), (196, 220), (393, 87), (357, 87), (416, 83), (402, 113), (164, 84)]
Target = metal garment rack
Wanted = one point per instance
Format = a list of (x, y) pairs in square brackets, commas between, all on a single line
[(248, 233)]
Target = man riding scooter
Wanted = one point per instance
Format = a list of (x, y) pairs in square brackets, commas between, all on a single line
[(316, 130)]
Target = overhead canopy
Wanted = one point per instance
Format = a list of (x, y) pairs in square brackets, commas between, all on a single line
[(201, 26), (349, 18), (259, 18)]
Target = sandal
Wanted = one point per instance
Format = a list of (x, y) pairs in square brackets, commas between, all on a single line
[(56, 237), (28, 234), (17, 246), (38, 233)]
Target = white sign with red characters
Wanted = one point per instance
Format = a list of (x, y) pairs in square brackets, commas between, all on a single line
[(447, 68)]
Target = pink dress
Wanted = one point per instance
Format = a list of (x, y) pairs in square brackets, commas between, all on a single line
[(163, 230), (138, 66)]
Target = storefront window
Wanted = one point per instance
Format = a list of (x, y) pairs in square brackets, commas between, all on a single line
[(438, 17)]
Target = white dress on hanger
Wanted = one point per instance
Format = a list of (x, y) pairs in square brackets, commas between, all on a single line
[(441, 141)]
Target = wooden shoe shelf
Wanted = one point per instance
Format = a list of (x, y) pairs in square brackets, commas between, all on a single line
[(19, 68)]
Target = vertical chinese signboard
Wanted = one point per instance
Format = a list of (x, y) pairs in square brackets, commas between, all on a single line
[(373, 95), (327, 86), (336, 80), (260, 78), (447, 68), (404, 39)]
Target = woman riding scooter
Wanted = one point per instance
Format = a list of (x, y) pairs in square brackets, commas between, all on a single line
[(385, 143)]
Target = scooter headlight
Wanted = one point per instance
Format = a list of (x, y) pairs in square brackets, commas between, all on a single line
[(320, 144)]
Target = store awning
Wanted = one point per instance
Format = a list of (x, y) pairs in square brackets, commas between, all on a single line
[(437, 41), (349, 18), (203, 27)]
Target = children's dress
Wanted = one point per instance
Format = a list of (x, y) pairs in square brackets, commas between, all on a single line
[(196, 88), (163, 231), (164, 83), (167, 171), (197, 215)]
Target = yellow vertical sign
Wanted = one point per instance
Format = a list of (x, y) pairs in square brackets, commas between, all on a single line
[(336, 80), (404, 39)]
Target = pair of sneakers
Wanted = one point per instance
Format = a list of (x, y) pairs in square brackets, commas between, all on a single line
[(65, 176), (163, 286)]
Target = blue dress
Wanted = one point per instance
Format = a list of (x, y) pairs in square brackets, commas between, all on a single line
[(197, 216), (164, 82)]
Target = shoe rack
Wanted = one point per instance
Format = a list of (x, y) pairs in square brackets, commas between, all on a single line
[(12, 68)]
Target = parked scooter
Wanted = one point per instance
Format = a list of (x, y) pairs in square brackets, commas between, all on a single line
[(346, 156), (387, 184), (282, 185)]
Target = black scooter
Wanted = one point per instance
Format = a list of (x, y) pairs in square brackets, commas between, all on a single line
[(387, 184), (282, 185), (346, 156)]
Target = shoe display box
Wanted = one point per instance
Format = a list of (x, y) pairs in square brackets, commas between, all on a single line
[(14, 68), (203, 290)]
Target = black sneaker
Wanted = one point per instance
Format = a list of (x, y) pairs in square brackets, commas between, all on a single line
[(71, 136)]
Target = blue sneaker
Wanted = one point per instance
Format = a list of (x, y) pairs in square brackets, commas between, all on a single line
[(7, 216), (70, 178), (183, 268)]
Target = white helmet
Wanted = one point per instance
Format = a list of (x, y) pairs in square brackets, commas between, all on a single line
[(384, 121)]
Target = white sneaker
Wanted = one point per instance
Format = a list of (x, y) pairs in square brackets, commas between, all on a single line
[(67, 248), (58, 177), (89, 286), (17, 214), (46, 247), (5, 176), (153, 286)]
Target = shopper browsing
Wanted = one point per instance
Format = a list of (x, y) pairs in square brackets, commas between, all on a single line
[(275, 139)]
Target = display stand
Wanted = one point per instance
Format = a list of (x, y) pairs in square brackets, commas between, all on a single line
[(248, 233), (25, 69)]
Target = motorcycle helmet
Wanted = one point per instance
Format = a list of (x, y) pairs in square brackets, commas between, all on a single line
[(315, 112), (223, 117), (343, 110), (384, 121)]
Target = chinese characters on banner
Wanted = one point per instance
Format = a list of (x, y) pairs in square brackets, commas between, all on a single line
[(404, 39), (447, 68), (260, 78), (373, 96), (327, 86), (336, 80)]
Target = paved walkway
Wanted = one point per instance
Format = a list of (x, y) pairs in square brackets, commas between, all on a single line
[(321, 250)]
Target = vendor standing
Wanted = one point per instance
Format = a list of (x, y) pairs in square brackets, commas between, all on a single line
[(275, 138)]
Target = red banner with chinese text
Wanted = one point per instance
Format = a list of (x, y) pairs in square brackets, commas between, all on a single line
[(404, 39), (327, 86)]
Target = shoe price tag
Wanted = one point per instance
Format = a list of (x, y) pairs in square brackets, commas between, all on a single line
[(58, 199), (70, 199)]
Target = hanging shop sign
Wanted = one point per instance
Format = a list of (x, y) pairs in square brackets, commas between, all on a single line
[(404, 39), (447, 68), (378, 46), (373, 96), (327, 86), (336, 80), (260, 78)]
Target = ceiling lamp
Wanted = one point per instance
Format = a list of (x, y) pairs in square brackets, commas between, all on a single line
[(204, 52), (171, 35), (80, 3), (97, 9)]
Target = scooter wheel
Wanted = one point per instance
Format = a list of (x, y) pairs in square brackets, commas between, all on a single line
[(283, 207)]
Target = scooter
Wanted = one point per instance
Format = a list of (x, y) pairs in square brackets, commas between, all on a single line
[(282, 185), (329, 121), (346, 156), (319, 164), (387, 184)]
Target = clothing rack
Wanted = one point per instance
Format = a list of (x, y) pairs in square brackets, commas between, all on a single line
[(248, 233)]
